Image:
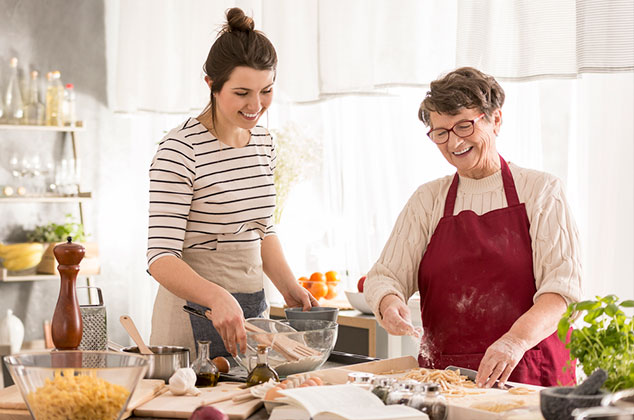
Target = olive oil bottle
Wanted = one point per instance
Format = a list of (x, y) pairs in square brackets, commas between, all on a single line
[(207, 373), (262, 372)]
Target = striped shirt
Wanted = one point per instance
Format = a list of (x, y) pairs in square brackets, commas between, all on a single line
[(207, 195)]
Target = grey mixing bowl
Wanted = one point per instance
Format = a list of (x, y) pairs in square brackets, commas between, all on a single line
[(316, 312)]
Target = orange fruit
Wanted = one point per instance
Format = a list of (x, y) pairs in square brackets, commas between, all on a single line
[(303, 281), (332, 276), (332, 290), (319, 289), (318, 277)]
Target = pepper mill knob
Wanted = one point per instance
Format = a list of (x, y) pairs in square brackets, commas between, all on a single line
[(69, 253), (66, 326)]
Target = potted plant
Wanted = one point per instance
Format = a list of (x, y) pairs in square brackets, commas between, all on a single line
[(53, 233), (604, 340)]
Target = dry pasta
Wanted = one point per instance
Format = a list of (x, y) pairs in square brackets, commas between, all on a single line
[(77, 398), (447, 379)]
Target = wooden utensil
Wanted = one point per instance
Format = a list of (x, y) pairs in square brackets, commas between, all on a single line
[(288, 347), (129, 326)]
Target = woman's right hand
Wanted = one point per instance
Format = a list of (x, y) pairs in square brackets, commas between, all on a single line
[(228, 320), (397, 319)]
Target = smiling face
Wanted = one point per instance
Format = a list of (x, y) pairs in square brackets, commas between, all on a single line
[(244, 97), (474, 156)]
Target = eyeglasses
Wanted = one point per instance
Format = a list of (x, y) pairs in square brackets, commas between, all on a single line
[(462, 129)]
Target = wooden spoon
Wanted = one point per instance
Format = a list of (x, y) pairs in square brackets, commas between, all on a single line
[(129, 326)]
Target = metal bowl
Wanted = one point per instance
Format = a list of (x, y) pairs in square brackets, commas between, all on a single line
[(165, 360), (66, 384)]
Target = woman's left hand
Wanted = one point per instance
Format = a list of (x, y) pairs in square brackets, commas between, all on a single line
[(499, 361), (299, 296)]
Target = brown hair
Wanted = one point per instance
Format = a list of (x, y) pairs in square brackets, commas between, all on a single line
[(465, 87), (238, 44)]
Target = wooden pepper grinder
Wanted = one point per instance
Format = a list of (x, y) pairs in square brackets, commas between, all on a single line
[(66, 327)]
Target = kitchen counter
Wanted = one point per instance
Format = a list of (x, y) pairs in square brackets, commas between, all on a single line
[(261, 414)]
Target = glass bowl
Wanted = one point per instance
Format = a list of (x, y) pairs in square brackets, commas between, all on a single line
[(77, 385), (295, 345)]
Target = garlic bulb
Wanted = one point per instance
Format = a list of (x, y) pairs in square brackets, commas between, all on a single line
[(183, 381)]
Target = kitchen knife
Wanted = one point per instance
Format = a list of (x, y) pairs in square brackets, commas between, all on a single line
[(471, 375)]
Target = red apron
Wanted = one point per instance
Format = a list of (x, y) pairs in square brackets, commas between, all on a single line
[(475, 280)]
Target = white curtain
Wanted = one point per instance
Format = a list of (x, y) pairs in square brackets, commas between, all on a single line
[(353, 72)]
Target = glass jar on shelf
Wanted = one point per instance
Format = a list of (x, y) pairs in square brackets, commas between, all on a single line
[(207, 373)]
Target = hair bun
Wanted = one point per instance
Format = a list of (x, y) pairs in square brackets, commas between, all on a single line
[(238, 21)]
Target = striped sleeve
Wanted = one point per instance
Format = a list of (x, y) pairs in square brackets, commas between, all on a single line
[(172, 175), (270, 228)]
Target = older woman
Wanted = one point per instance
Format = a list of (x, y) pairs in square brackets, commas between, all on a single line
[(493, 249)]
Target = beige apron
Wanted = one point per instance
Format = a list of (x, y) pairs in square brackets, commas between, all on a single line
[(237, 271)]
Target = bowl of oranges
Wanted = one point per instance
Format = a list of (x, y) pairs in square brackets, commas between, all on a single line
[(322, 285)]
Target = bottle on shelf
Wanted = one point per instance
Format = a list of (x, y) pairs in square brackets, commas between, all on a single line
[(54, 99), (262, 372), (34, 109), (13, 105), (207, 373), (69, 108)]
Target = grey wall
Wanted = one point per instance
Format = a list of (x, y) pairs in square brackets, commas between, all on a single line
[(67, 35)]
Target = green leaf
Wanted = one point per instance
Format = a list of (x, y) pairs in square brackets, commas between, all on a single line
[(562, 329), (593, 314), (586, 305), (627, 304), (611, 309)]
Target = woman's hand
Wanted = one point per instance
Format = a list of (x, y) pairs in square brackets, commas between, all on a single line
[(299, 296), (397, 319), (499, 360), (228, 320)]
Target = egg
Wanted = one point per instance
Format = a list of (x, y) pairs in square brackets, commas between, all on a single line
[(317, 380), (222, 364), (309, 382), (273, 393)]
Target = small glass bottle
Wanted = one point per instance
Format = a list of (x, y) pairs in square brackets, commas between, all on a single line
[(207, 373), (381, 386), (68, 108), (401, 392), (54, 98), (262, 372), (428, 399), (34, 109), (13, 105)]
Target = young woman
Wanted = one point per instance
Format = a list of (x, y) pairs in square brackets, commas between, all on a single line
[(211, 200)]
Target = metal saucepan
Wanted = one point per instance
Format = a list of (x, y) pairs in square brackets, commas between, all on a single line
[(163, 363)]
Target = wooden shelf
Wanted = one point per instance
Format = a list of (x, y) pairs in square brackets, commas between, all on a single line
[(78, 127), (82, 197), (6, 278)]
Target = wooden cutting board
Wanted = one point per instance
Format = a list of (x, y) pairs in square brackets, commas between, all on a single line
[(13, 407), (181, 407)]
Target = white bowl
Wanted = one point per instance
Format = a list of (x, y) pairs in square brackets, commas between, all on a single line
[(357, 300)]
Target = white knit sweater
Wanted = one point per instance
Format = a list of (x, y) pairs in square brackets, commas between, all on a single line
[(555, 240)]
